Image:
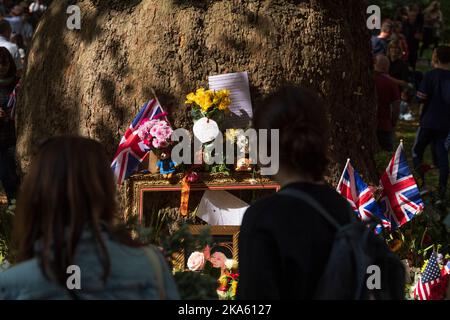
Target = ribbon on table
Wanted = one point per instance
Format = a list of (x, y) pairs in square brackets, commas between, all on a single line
[(185, 190)]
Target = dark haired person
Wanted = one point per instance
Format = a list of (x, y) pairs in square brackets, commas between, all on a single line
[(284, 244), (412, 29), (8, 81), (380, 42), (432, 24), (434, 92), (397, 35), (66, 216), (398, 68)]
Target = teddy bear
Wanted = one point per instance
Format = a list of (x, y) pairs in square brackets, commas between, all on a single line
[(166, 166)]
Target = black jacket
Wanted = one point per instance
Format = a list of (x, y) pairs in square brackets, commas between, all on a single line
[(284, 244)]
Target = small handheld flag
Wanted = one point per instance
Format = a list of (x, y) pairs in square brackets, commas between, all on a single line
[(400, 200), (132, 150), (429, 279), (358, 194)]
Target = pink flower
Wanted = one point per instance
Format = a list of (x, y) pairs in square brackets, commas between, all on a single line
[(193, 177), (196, 261), (159, 134), (159, 144), (153, 130)]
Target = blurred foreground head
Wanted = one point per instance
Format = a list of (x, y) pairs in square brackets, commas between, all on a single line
[(69, 187)]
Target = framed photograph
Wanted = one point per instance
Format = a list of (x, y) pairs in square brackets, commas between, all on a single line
[(224, 240)]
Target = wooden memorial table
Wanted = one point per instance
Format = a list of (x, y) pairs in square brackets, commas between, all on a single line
[(139, 184)]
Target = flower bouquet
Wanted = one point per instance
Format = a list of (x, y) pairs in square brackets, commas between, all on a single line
[(155, 133), (228, 281), (208, 109), (208, 103), (217, 266)]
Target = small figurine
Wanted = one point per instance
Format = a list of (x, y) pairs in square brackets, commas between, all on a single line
[(166, 166), (243, 164)]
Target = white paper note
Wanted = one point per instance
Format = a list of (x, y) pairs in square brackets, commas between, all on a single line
[(221, 208), (241, 104)]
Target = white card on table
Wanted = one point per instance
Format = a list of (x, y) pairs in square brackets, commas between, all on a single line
[(221, 208)]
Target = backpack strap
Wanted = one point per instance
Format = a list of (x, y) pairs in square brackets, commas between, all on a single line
[(295, 193), (157, 268)]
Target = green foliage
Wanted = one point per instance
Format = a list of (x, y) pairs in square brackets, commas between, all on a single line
[(196, 286), (423, 234), (191, 285)]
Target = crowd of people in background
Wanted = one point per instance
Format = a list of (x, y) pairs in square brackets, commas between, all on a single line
[(396, 49), (18, 20)]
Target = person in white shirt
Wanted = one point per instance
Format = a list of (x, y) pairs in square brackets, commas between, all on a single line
[(37, 6), (5, 35)]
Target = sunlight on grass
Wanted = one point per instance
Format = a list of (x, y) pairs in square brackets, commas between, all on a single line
[(406, 131)]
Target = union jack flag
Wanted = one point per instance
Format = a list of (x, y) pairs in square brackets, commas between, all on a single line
[(400, 200), (361, 198), (429, 279), (132, 150)]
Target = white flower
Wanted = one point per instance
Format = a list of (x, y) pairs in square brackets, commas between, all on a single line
[(230, 264), (196, 261)]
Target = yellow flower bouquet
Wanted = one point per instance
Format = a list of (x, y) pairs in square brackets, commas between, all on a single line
[(208, 103)]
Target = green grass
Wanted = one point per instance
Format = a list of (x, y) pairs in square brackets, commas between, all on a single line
[(406, 131)]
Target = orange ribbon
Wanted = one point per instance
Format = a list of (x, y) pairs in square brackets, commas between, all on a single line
[(185, 189)]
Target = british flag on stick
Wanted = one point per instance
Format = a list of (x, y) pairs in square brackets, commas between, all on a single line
[(360, 197), (400, 200), (132, 150)]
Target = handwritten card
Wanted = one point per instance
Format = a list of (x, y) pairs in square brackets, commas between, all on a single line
[(241, 104)]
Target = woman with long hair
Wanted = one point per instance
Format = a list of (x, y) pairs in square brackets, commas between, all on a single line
[(65, 223), (287, 241)]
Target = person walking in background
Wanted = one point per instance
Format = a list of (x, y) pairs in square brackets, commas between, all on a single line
[(434, 93), (398, 68), (412, 29), (380, 42), (5, 36), (8, 170), (66, 215), (397, 35), (388, 101), (27, 29), (432, 24), (15, 19), (401, 14), (18, 40), (3, 10)]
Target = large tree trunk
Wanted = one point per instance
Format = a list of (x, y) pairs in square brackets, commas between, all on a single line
[(92, 82)]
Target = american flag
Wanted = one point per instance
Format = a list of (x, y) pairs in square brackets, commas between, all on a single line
[(352, 187), (429, 279), (132, 150), (400, 200)]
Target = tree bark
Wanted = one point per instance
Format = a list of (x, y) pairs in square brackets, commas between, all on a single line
[(92, 81)]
